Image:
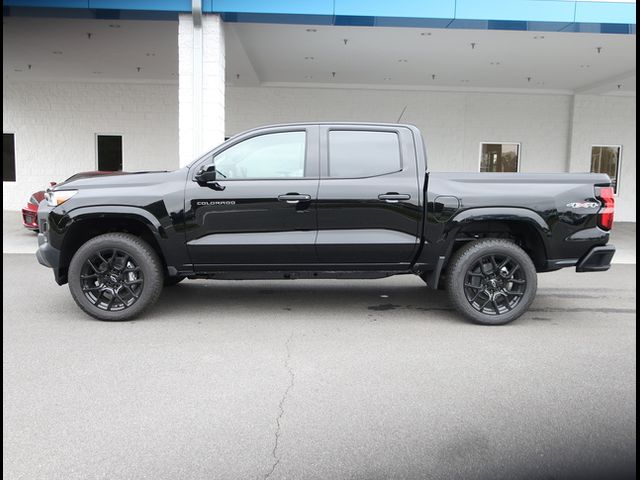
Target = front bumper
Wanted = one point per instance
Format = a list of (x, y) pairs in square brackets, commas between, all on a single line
[(49, 257), (598, 259), (30, 219), (47, 254)]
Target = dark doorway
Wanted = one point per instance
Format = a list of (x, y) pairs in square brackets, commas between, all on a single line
[(8, 158), (109, 153)]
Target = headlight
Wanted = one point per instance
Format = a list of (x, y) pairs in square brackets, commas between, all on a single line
[(58, 197)]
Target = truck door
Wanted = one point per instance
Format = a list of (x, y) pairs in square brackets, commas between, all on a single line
[(261, 208), (369, 207)]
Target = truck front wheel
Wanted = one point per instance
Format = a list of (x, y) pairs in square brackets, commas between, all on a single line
[(115, 276), (491, 281)]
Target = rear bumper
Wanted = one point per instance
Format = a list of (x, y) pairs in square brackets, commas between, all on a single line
[(598, 259)]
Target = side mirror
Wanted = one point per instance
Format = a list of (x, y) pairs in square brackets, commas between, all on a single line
[(206, 177), (206, 174)]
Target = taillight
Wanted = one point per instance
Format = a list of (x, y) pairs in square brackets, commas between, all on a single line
[(605, 215)]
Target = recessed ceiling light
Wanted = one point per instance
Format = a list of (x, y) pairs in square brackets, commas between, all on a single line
[(311, 30), (114, 25), (57, 52)]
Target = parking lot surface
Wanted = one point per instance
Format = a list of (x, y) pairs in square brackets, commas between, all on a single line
[(319, 380)]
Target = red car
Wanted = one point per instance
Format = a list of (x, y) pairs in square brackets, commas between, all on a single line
[(30, 212)]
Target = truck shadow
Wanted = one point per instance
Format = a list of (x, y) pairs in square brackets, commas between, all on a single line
[(360, 298)]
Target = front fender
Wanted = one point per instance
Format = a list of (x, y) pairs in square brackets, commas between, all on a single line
[(115, 211)]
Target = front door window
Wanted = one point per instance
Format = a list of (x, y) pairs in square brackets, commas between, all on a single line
[(272, 156)]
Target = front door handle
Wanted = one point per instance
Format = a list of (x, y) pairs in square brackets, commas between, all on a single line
[(294, 198), (393, 197)]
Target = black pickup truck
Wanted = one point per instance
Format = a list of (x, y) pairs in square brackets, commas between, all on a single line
[(323, 200)]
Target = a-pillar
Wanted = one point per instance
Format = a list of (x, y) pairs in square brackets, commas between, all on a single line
[(201, 79)]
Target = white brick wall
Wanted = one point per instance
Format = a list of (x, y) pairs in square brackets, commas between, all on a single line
[(55, 126), (602, 120)]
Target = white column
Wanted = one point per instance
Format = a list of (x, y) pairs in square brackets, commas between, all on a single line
[(201, 78)]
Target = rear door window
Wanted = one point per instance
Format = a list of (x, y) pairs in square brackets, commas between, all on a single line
[(357, 154)]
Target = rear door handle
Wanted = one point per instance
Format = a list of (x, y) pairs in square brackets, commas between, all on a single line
[(393, 197), (294, 198)]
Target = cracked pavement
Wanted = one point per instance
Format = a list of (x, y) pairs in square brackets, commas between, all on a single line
[(321, 379), (281, 408)]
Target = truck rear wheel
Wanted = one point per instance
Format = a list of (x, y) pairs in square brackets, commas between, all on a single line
[(492, 281), (115, 276)]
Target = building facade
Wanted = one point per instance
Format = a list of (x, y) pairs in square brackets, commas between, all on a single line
[(521, 85)]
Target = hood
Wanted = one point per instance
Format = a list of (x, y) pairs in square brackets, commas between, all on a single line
[(95, 173), (100, 179)]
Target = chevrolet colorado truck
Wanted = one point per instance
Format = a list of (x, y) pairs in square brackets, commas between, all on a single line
[(323, 200)]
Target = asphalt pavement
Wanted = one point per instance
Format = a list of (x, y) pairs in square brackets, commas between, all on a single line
[(369, 379)]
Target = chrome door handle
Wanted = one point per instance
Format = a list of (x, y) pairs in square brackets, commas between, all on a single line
[(393, 197), (294, 198)]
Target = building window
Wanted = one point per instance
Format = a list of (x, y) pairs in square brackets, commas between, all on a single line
[(8, 158), (499, 157), (109, 149), (606, 159), (357, 154)]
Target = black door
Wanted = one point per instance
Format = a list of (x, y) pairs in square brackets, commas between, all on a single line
[(369, 198), (261, 208)]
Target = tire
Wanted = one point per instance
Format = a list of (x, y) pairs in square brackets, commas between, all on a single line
[(120, 263), (492, 281), (170, 281)]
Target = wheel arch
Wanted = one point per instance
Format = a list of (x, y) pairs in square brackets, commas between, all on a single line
[(84, 224), (530, 231)]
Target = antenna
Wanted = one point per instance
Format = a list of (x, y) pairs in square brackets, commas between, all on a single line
[(402, 113)]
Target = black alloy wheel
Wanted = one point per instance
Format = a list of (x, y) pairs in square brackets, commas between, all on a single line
[(495, 284), (491, 281), (115, 276), (111, 279)]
